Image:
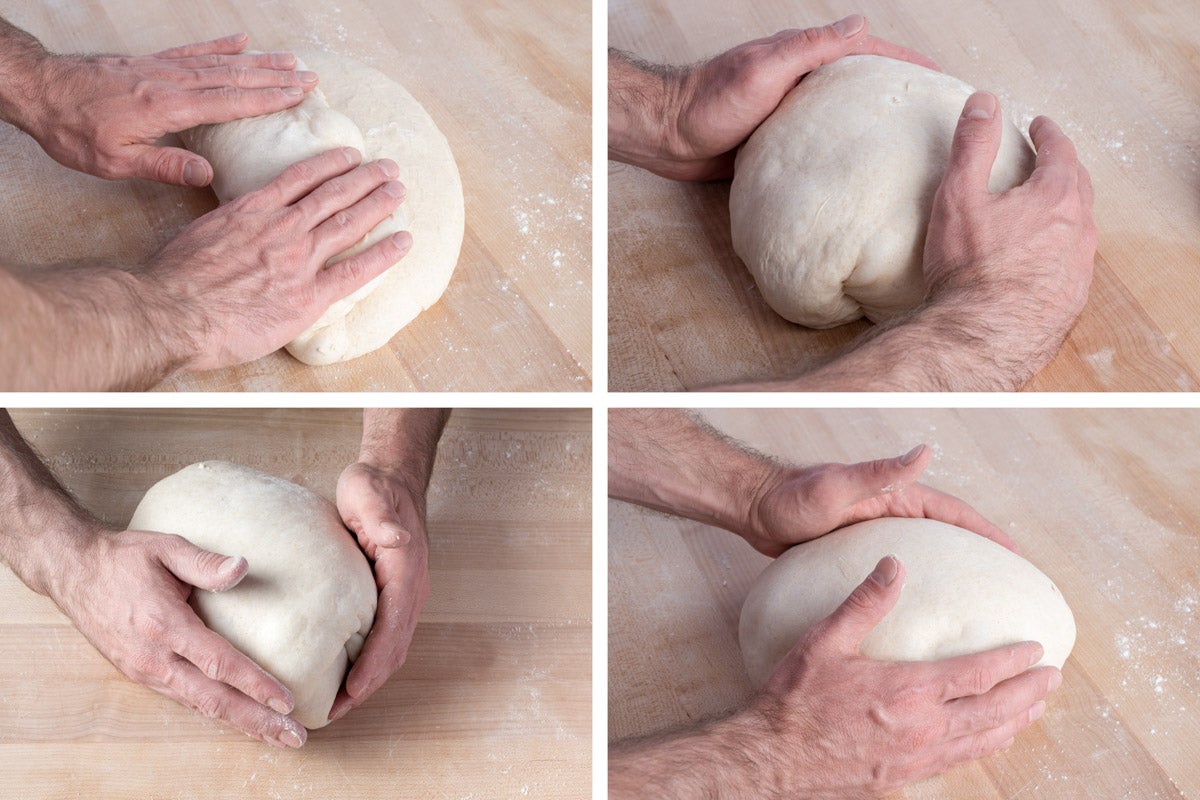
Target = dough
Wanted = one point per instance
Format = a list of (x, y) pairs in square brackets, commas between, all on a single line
[(355, 106), (963, 594), (308, 601), (831, 196)]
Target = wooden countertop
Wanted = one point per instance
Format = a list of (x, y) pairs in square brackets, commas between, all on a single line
[(1119, 77), (1103, 501), (508, 82), (494, 701)]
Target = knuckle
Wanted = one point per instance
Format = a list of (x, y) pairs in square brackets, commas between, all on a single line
[(342, 219), (978, 680), (210, 704)]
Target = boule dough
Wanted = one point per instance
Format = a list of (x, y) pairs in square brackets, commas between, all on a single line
[(962, 594), (307, 602), (354, 106), (832, 194)]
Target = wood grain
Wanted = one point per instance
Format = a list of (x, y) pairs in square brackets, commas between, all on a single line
[(684, 312), (1103, 501), (509, 84), (494, 701)]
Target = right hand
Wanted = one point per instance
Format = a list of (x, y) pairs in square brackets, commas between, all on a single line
[(846, 726), (1013, 268), (127, 592), (247, 278)]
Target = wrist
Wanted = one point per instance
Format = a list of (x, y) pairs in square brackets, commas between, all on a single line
[(643, 112), (168, 318), (24, 82)]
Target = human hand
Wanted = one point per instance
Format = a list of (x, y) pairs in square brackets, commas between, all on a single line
[(834, 724), (246, 278), (388, 517), (103, 114), (796, 504), (710, 109), (1012, 269), (127, 592)]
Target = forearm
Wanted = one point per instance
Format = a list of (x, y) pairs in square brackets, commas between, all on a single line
[(86, 327), (39, 521), (641, 103), (666, 460), (22, 89), (403, 441), (931, 350)]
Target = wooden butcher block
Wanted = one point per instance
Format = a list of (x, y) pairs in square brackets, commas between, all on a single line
[(1120, 79), (508, 83), (493, 702), (1103, 501)]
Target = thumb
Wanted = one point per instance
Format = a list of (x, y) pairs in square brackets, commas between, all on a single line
[(379, 522), (872, 478), (976, 142), (172, 165), (202, 568), (866, 606)]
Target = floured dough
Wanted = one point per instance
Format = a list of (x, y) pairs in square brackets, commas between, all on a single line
[(831, 196), (355, 106), (962, 594), (308, 601)]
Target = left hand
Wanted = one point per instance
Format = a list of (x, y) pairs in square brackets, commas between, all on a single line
[(797, 504), (389, 520), (719, 103), (102, 114)]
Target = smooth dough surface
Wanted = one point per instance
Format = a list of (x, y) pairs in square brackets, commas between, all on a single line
[(831, 196), (308, 601), (355, 106), (963, 594)]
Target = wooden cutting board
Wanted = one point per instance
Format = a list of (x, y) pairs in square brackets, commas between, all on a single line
[(1103, 501), (494, 700), (508, 83), (684, 312)]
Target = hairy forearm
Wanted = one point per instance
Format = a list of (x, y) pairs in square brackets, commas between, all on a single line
[(641, 99), (669, 461), (403, 441), (39, 520), (931, 350), (86, 327), (21, 86)]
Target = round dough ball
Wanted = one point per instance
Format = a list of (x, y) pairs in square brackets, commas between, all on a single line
[(831, 196), (308, 601), (963, 594)]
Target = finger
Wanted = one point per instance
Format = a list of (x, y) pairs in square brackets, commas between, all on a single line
[(386, 647), (866, 606), (874, 46), (979, 713), (1056, 160), (351, 274), (188, 686), (949, 509), (792, 54), (302, 177), (213, 655), (1084, 181), (966, 676), (241, 77), (201, 568), (208, 106), (172, 165), (344, 191), (979, 745), (227, 45), (279, 61), (973, 150), (350, 224)]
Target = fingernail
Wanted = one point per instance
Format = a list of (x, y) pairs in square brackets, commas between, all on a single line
[(911, 455), (849, 26), (1038, 709), (1054, 682), (279, 705), (339, 712), (1036, 654), (402, 241), (352, 155), (1007, 744), (393, 189), (194, 174), (980, 105), (390, 168), (307, 77), (398, 534), (283, 60), (886, 570), (293, 91), (291, 738)]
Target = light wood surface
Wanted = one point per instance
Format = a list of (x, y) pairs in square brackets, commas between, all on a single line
[(509, 85), (493, 702), (684, 312), (1102, 501)]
